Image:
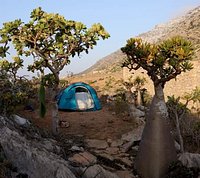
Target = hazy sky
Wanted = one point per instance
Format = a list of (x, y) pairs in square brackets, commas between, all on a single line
[(121, 18)]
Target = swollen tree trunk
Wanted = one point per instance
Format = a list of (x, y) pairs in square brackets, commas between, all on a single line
[(156, 150)]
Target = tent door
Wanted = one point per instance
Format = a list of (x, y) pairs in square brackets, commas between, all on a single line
[(84, 100)]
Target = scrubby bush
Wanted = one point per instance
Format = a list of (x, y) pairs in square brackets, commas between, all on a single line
[(14, 90), (186, 123), (191, 133), (178, 170)]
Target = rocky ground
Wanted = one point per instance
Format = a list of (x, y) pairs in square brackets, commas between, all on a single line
[(99, 144), (92, 143)]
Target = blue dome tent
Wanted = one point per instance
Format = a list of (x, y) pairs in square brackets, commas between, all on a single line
[(79, 97)]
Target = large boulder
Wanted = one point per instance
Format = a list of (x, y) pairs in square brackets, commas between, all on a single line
[(33, 161), (190, 159), (39, 157)]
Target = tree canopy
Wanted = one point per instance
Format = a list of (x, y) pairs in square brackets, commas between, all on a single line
[(163, 61), (50, 39)]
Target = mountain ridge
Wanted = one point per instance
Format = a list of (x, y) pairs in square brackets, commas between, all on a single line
[(187, 26)]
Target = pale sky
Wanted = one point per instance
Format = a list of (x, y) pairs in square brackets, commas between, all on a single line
[(123, 19)]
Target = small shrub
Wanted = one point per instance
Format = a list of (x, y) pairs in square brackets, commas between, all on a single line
[(178, 170), (191, 133)]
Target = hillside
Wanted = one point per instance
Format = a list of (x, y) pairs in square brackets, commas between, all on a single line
[(106, 75), (106, 62), (187, 26)]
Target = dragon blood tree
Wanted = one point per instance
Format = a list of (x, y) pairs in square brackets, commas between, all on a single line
[(162, 62)]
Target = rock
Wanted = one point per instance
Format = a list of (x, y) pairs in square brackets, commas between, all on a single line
[(116, 143), (21, 121), (125, 174), (141, 108), (134, 135), (127, 146), (177, 146), (109, 141), (64, 124), (136, 112), (126, 161), (83, 159), (76, 148), (131, 137), (112, 150), (140, 120), (97, 144), (106, 156), (190, 159), (34, 161), (48, 144), (96, 171), (113, 113)]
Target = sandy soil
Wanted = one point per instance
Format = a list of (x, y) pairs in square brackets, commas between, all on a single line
[(101, 124)]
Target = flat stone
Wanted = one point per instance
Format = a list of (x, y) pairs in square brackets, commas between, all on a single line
[(125, 174), (133, 135), (97, 144), (83, 159), (112, 150), (107, 156), (126, 161), (30, 159), (117, 143), (126, 147), (96, 171)]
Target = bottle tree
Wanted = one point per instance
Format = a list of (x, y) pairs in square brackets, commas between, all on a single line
[(162, 62), (139, 82), (52, 41)]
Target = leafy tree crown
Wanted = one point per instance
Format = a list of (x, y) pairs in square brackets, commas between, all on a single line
[(163, 61), (50, 39)]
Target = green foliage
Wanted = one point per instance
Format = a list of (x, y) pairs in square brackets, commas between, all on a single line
[(175, 106), (191, 134), (109, 83), (90, 82), (120, 94), (48, 80), (14, 90), (139, 82), (11, 67), (190, 126), (146, 97), (194, 97), (63, 83), (163, 61), (115, 68), (50, 39), (42, 100)]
